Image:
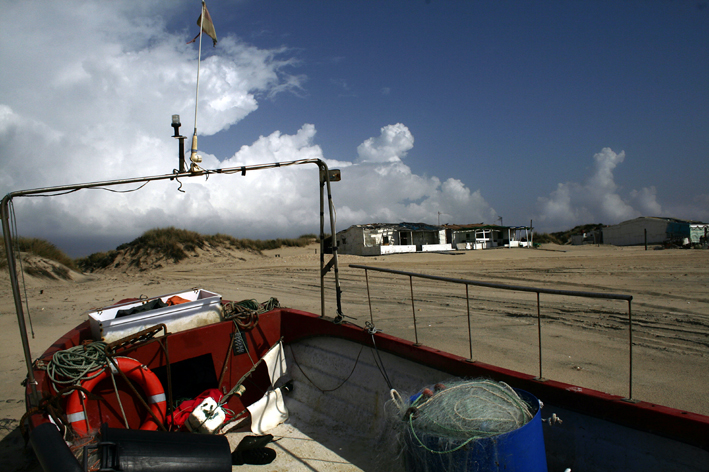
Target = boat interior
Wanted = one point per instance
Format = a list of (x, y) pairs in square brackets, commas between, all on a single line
[(340, 411)]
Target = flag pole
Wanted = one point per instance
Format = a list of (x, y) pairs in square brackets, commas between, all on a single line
[(194, 159)]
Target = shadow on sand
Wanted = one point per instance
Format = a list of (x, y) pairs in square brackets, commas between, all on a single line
[(14, 455)]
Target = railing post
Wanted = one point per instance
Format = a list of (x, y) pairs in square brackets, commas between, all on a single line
[(369, 299), (413, 309), (470, 331), (539, 334), (630, 353)]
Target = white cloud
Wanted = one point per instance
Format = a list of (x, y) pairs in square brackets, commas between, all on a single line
[(88, 95), (108, 78), (388, 191), (645, 200), (89, 98), (598, 200), (391, 146)]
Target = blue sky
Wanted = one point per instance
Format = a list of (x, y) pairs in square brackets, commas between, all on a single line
[(560, 112)]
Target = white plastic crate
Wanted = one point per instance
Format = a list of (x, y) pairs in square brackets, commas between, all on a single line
[(203, 308)]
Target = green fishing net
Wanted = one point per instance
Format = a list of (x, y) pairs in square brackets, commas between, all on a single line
[(442, 424), (466, 410)]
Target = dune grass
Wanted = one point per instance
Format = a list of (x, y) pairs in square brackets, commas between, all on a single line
[(41, 248), (564, 237), (546, 238), (174, 244)]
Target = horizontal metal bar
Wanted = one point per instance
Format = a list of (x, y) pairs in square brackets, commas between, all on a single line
[(179, 175), (516, 288)]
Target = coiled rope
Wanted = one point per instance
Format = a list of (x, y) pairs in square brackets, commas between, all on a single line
[(76, 364), (246, 312)]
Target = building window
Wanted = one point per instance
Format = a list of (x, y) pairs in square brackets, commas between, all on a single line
[(385, 239)]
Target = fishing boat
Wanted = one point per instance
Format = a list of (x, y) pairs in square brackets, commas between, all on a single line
[(191, 382)]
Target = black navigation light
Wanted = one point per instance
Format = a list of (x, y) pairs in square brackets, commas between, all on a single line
[(176, 124)]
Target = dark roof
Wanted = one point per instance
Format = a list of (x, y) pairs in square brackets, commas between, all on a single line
[(427, 227), (481, 226), (662, 218), (400, 226), (419, 227)]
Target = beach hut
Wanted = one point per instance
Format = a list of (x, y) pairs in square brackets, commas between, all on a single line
[(648, 229), (391, 238)]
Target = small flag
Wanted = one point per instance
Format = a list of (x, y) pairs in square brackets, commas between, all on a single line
[(207, 25)]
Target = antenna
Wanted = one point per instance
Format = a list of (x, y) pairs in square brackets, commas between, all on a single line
[(194, 158)]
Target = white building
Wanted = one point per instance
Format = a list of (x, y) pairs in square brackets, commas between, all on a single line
[(482, 236), (658, 230), (387, 238)]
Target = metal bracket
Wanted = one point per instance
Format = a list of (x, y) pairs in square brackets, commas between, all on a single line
[(327, 267)]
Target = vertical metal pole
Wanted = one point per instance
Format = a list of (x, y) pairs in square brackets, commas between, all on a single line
[(470, 331), (193, 152), (199, 61), (165, 348), (645, 230), (630, 351), (369, 299), (413, 309), (539, 333), (333, 231), (321, 182), (181, 152), (12, 268)]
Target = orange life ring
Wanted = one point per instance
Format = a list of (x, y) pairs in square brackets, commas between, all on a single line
[(137, 373)]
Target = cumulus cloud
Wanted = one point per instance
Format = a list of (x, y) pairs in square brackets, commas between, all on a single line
[(598, 200), (391, 146), (389, 191), (106, 78), (88, 97)]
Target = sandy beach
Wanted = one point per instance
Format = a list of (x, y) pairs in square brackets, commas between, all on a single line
[(585, 341)]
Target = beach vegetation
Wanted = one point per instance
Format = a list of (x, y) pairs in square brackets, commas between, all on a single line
[(41, 248), (564, 237), (176, 244)]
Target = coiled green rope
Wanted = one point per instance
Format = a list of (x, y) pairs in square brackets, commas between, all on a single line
[(76, 364), (245, 313)]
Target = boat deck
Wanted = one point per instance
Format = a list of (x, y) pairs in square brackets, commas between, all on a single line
[(296, 451), (340, 419), (332, 428)]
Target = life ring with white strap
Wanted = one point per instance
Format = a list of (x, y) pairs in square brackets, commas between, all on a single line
[(137, 373)]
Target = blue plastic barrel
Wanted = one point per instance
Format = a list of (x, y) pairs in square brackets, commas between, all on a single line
[(521, 450)]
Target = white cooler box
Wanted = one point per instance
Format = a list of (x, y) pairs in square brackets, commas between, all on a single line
[(202, 309)]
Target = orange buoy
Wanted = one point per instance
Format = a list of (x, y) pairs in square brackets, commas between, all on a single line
[(137, 373)]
